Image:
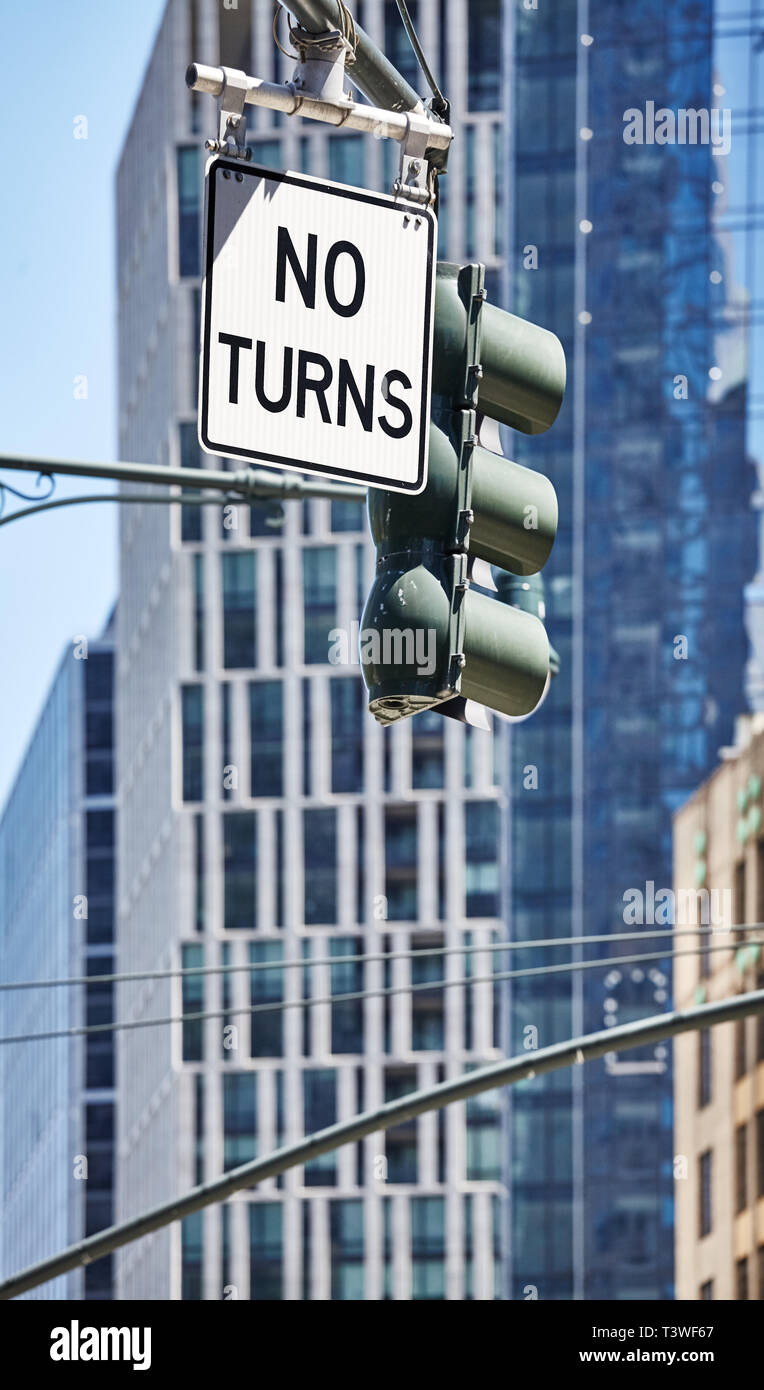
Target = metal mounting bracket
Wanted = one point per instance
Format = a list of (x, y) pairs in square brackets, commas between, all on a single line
[(320, 72), (472, 292), (413, 181), (232, 125)]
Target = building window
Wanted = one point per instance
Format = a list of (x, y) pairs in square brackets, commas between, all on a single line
[(99, 848), (499, 224), (707, 1291), (401, 1140), (741, 1050), (346, 163), (229, 781), (360, 864), (428, 1248), (265, 1251), (268, 152), (387, 1248), (760, 1158), (199, 1127), (320, 855), (401, 862), (704, 1067), (427, 1008), (240, 870), (192, 706), (239, 609), (235, 36), (190, 515), (189, 221), (192, 1254), (319, 573), (484, 50), (398, 46), (347, 978), (228, 1041), (739, 905), (265, 519), (741, 1168), (199, 872), (198, 611), (279, 605), (239, 1118), (484, 1137), (347, 1249), (347, 516), (266, 987), (99, 1047), (347, 733), (427, 746), (320, 1111), (192, 996), (741, 1279), (266, 738), (705, 1196), (481, 852), (470, 190), (99, 730)]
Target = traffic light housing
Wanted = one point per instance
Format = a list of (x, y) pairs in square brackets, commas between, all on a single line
[(428, 638)]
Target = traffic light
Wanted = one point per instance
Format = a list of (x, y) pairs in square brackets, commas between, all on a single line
[(428, 638)]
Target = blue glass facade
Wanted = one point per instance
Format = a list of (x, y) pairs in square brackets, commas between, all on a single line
[(613, 247), (57, 1097)]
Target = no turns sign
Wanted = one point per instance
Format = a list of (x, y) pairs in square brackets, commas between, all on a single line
[(316, 327)]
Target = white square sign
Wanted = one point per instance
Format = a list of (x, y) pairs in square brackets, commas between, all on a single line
[(316, 327)]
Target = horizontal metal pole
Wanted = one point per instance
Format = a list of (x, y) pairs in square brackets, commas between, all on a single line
[(285, 97), (248, 482), (372, 72), (505, 1073)]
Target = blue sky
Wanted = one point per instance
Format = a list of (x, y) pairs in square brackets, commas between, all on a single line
[(58, 572)]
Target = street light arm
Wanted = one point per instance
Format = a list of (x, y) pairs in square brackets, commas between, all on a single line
[(250, 483)]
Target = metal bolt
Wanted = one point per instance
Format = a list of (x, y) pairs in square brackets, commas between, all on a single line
[(226, 173), (239, 177), (415, 166)]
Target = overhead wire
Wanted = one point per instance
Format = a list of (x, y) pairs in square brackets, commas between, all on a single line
[(439, 103), (464, 948), (234, 1010)]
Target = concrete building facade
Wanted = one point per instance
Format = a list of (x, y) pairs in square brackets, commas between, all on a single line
[(719, 1072)]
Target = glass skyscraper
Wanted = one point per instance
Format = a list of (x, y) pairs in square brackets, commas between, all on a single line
[(57, 1098), (618, 247)]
